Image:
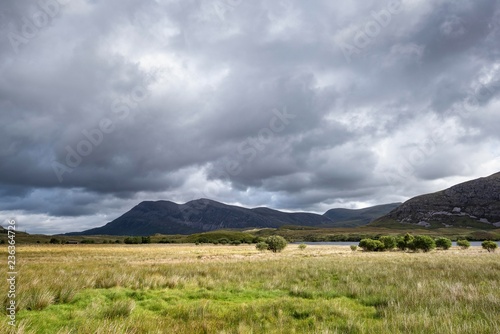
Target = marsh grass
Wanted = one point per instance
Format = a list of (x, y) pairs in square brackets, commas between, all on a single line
[(229, 289)]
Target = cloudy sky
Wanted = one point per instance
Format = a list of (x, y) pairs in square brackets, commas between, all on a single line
[(295, 105)]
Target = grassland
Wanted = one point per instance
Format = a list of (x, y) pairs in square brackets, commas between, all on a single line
[(236, 289)]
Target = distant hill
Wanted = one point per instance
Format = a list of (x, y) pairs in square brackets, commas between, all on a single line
[(201, 215), (165, 217), (472, 204), (358, 217)]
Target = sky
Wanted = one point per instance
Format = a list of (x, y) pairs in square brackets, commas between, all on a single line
[(293, 105)]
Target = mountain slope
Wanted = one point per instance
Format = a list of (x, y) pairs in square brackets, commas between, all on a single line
[(474, 204), (166, 217), (358, 217)]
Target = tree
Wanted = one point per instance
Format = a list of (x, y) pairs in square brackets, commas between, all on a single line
[(423, 242), (262, 246), (276, 243), (464, 244), (490, 246), (388, 241), (443, 243)]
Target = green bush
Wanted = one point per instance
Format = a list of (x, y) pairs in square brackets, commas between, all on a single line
[(276, 243), (132, 240), (55, 241), (388, 241), (422, 242), (261, 246), (443, 243), (354, 248), (371, 245), (302, 246), (464, 244), (223, 241), (490, 246)]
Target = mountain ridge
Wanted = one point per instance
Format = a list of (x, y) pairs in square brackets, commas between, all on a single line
[(471, 204), (202, 215)]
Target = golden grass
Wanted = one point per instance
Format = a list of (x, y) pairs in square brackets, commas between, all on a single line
[(174, 288)]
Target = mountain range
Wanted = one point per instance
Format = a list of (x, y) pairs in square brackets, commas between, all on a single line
[(165, 217), (472, 204)]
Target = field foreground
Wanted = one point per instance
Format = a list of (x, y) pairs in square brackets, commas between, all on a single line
[(236, 289)]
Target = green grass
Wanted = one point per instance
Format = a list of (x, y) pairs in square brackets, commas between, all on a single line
[(228, 289)]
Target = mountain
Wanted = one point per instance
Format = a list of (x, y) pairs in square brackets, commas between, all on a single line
[(201, 215), (358, 217), (472, 204)]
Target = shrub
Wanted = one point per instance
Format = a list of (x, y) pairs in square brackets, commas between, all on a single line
[(354, 248), (302, 246), (261, 246), (371, 245), (55, 241), (422, 242), (490, 246), (443, 243), (405, 242), (235, 242), (388, 241), (223, 241), (146, 240), (464, 244), (132, 240), (276, 243)]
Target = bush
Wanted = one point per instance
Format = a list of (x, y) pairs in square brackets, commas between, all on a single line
[(302, 246), (405, 242), (261, 246), (464, 244), (132, 240), (371, 245), (422, 242), (55, 241), (443, 243), (276, 243), (490, 246), (388, 241), (354, 248), (223, 241)]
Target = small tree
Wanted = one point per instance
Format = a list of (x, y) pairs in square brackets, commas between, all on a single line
[(464, 244), (423, 242), (276, 243), (261, 246), (443, 243), (388, 241), (490, 246)]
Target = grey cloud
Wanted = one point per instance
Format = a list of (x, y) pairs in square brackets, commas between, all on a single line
[(189, 93)]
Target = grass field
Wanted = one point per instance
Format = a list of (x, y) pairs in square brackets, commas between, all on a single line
[(236, 289)]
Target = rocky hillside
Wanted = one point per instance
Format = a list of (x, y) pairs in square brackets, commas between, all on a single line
[(474, 203)]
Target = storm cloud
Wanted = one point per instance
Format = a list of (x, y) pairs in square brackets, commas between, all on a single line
[(291, 105)]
